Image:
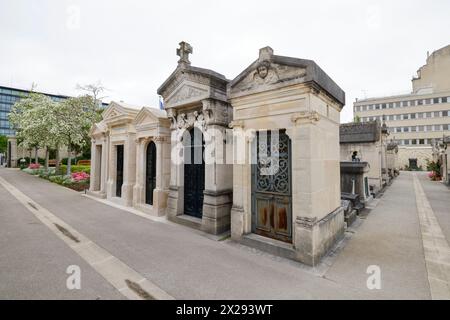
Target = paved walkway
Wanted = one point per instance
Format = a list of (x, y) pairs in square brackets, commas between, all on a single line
[(187, 265)]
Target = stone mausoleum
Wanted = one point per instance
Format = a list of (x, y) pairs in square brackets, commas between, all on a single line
[(257, 155), (367, 142)]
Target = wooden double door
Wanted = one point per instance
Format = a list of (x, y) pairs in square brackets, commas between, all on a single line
[(271, 186)]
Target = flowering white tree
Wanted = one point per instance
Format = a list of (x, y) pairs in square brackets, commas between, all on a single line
[(43, 123), (29, 117)]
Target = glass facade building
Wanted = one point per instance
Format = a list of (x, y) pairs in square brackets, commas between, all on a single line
[(9, 96)]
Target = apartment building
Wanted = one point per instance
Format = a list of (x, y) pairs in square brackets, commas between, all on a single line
[(419, 119)]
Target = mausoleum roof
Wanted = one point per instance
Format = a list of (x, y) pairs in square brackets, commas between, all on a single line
[(303, 71), (360, 132)]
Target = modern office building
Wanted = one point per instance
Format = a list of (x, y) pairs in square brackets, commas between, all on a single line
[(9, 96), (419, 119)]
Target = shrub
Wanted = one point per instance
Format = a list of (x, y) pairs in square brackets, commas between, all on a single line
[(86, 169), (435, 170), (34, 166), (80, 176)]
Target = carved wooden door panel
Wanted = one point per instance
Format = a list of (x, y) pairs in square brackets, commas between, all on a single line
[(150, 173), (119, 172), (271, 187), (194, 175)]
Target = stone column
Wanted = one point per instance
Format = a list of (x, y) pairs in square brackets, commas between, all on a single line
[(160, 193), (138, 189), (242, 160), (104, 165), (218, 192), (175, 199), (111, 184), (129, 165), (93, 179)]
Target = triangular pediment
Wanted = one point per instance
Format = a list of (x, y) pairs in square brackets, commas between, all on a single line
[(271, 71), (118, 111), (149, 116), (187, 92), (98, 128), (268, 73)]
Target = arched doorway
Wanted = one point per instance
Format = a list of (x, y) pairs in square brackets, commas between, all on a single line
[(119, 170), (194, 172), (150, 173)]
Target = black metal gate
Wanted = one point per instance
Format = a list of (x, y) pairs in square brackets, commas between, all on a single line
[(150, 173), (119, 173), (271, 186), (194, 173)]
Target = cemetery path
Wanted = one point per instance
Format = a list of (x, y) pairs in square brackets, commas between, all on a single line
[(188, 265)]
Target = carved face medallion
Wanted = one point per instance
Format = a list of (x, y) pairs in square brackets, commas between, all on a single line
[(263, 69)]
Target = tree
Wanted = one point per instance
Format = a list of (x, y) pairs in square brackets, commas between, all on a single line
[(74, 118), (31, 117), (357, 119), (3, 143)]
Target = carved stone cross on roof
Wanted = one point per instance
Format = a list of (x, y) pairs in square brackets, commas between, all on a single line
[(183, 52)]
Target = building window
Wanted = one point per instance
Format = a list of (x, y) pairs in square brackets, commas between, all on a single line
[(421, 128), (445, 127), (419, 102), (420, 115), (406, 142), (429, 128), (436, 100), (413, 129), (397, 105), (404, 103), (405, 129), (444, 113), (444, 99), (437, 114), (391, 105), (427, 101), (377, 107), (421, 141), (413, 141), (412, 116), (398, 129)]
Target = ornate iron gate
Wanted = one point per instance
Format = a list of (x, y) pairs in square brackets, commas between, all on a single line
[(150, 173), (271, 186), (119, 172), (194, 174)]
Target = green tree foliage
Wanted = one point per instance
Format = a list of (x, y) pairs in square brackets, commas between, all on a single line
[(3, 143)]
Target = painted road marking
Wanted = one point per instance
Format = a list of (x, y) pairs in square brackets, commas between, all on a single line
[(435, 246), (115, 271)]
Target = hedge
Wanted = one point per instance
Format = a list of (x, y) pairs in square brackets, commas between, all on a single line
[(86, 169)]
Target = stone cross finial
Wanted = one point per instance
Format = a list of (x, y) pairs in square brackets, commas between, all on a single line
[(183, 52), (265, 53)]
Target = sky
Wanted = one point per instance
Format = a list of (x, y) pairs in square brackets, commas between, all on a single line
[(369, 48)]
